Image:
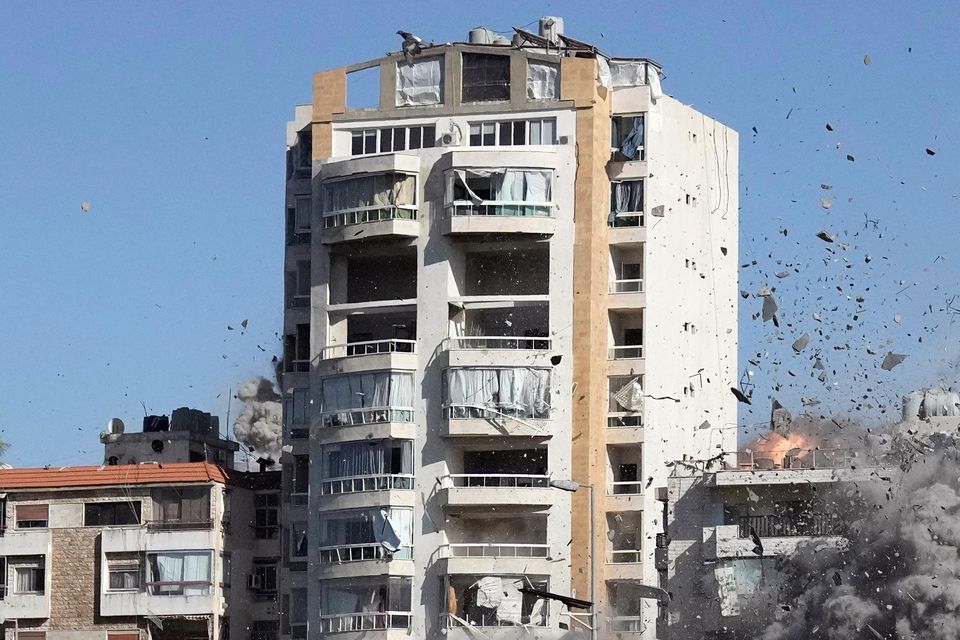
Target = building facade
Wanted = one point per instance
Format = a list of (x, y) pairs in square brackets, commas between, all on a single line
[(516, 268), (127, 552)]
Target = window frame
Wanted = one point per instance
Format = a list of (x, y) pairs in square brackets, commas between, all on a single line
[(372, 140), (116, 507), (21, 524), (488, 133), (271, 530), (35, 564), (125, 565), (486, 78)]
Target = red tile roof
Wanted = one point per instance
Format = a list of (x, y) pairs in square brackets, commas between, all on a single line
[(110, 475)]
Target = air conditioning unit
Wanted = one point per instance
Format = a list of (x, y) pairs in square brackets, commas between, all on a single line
[(452, 138), (254, 582)]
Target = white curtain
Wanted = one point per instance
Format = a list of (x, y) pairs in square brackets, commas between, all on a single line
[(419, 83), (627, 196), (25, 580), (382, 190), (523, 392), (354, 459), (358, 391), (196, 568), (168, 568), (543, 80)]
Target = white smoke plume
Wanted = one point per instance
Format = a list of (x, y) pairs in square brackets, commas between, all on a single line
[(899, 575), (260, 423)]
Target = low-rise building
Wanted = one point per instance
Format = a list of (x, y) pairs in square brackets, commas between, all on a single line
[(181, 551), (187, 435), (728, 528)]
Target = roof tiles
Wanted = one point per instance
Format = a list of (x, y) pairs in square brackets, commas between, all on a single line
[(110, 475)]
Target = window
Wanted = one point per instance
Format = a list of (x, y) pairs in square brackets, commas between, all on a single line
[(366, 534), (226, 568), (296, 412), (626, 203), (31, 515), (125, 571), (179, 573), (296, 354), (543, 80), (420, 82), (627, 137), (368, 398), (3, 578), (185, 507), (29, 574), (303, 214), (304, 148), (369, 198), (264, 576), (390, 139), (506, 133), (298, 613), (368, 465), (298, 540), (486, 78), (107, 514), (301, 474), (266, 516), (500, 192), (265, 630), (483, 393)]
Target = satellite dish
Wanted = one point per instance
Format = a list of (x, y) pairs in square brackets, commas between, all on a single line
[(157, 446), (115, 425)]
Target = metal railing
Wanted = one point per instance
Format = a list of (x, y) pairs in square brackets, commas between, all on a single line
[(625, 352), (338, 554), (496, 550), (361, 215), (501, 208), (778, 526), (299, 301), (367, 347), (630, 488), (298, 366), (178, 588), (177, 525), (477, 619), (624, 419), (626, 219), (359, 484), (499, 343), (495, 480), (805, 459), (625, 624), (365, 415), (626, 556), (626, 286), (342, 622)]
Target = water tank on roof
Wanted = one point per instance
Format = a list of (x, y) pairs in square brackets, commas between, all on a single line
[(551, 28), (482, 35), (940, 402), (911, 406), (115, 426), (156, 423)]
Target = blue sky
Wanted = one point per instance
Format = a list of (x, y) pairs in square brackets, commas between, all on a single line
[(169, 119)]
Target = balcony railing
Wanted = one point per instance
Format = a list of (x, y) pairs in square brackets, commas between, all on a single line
[(801, 459), (476, 619), (626, 556), (368, 347), (772, 526), (358, 484), (627, 286), (343, 622), (494, 410), (495, 480), (626, 219), (496, 550), (504, 343), (501, 208), (619, 419), (337, 554), (180, 588), (365, 415), (299, 301), (625, 352), (625, 624), (298, 366), (368, 214), (629, 488), (177, 525)]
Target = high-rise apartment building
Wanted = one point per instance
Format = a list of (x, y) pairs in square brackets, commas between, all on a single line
[(515, 268)]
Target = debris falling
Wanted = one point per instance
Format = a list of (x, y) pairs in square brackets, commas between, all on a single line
[(260, 423)]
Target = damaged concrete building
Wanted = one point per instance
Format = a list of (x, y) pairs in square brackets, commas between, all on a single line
[(510, 298), (729, 529)]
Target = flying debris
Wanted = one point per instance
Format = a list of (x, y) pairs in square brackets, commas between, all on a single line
[(769, 307), (780, 417), (891, 360), (801, 343), (85, 206), (826, 236), (867, 59), (741, 396)]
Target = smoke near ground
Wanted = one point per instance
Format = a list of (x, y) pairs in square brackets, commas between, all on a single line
[(899, 575), (260, 424)]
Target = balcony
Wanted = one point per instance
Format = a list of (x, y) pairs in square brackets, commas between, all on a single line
[(806, 525), (727, 541), (476, 490), (499, 201), (625, 625), (369, 197), (473, 610), (489, 558), (802, 466), (359, 484), (363, 623), (363, 560), (368, 355), (625, 352), (626, 294)]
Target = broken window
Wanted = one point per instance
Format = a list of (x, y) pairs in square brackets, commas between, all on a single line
[(29, 574), (369, 465), (29, 516), (520, 272), (626, 203), (624, 531), (124, 571), (179, 573), (297, 411), (303, 214), (365, 604), (627, 137), (296, 355), (304, 149), (390, 139), (363, 88), (543, 80), (266, 521), (625, 407), (500, 192), (184, 507), (263, 578), (265, 630), (484, 393), (486, 78), (365, 398), (495, 601), (301, 474), (369, 198), (507, 133), (420, 82), (366, 534), (626, 464), (369, 278), (298, 540), (106, 514)]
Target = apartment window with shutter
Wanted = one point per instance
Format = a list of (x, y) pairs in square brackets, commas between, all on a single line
[(29, 516), (106, 514), (181, 508), (123, 635), (486, 78), (124, 571), (31, 635)]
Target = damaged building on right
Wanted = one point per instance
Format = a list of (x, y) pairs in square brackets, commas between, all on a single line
[(511, 298)]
